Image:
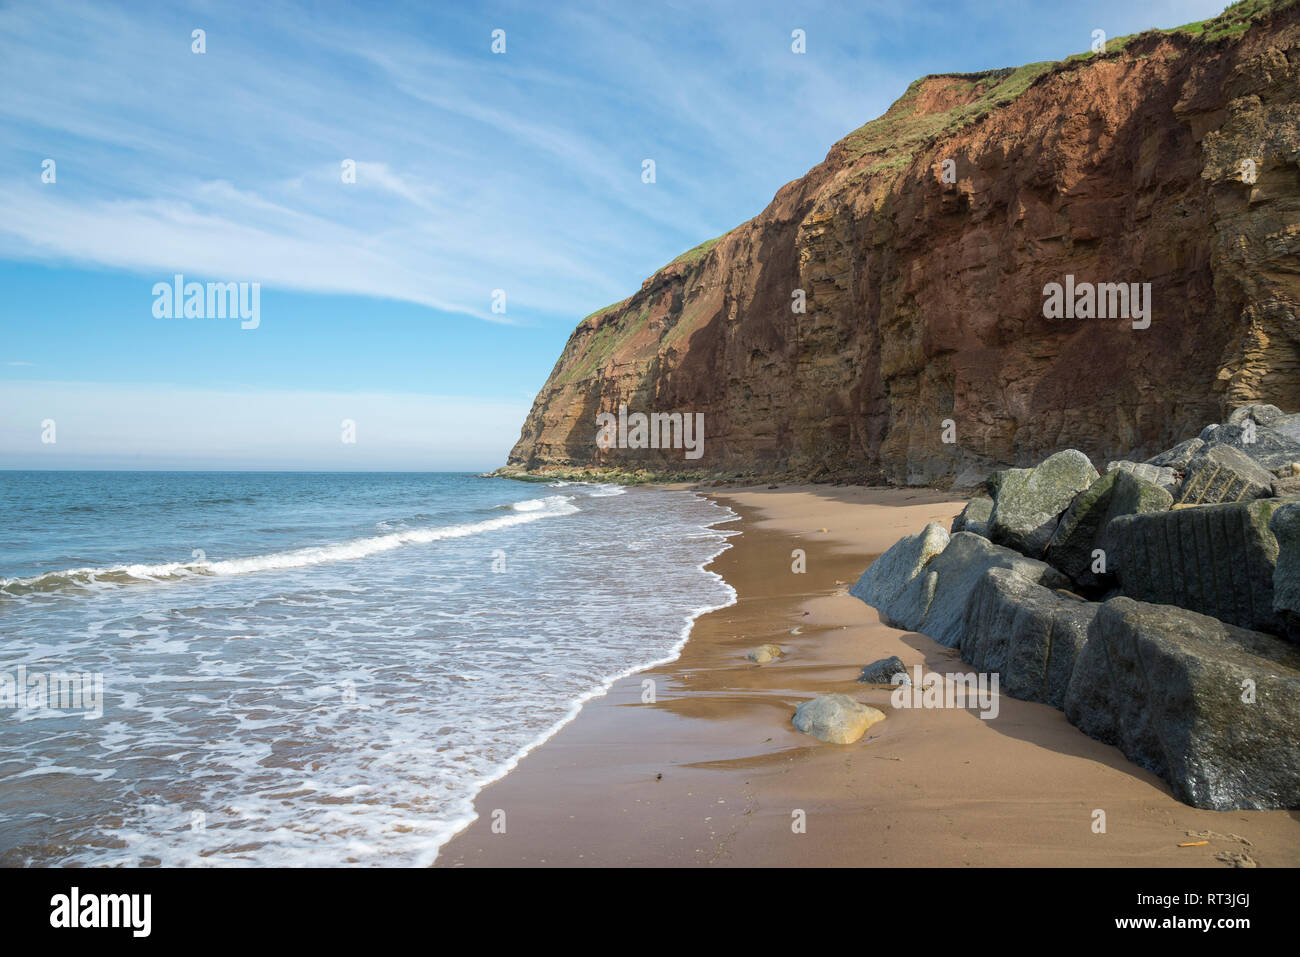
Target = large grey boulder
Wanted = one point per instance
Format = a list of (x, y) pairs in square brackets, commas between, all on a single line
[(1215, 559), (1029, 501), (1082, 529), (1285, 526), (835, 718), (1177, 457), (1221, 473), (975, 516), (1288, 426), (1212, 709), (1269, 448), (1262, 414), (1028, 634), (892, 574), (933, 600), (1161, 476)]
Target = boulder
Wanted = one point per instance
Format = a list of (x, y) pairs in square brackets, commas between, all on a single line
[(1212, 709), (1177, 457), (1288, 426), (1028, 634), (933, 601), (1030, 501), (764, 653), (1262, 414), (1267, 447), (974, 517), (1286, 487), (893, 572), (1285, 526), (1162, 476), (1082, 529), (1222, 473), (1215, 559), (883, 672), (835, 718)]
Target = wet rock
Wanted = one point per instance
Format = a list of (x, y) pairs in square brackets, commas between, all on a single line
[(835, 718), (1030, 501), (1212, 709), (764, 653), (1222, 473), (884, 671)]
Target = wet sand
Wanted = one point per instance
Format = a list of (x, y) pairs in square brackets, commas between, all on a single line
[(714, 773)]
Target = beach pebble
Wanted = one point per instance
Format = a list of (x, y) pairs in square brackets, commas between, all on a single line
[(882, 672), (764, 653), (835, 718)]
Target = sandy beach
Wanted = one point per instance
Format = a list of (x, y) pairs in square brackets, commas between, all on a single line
[(712, 772)]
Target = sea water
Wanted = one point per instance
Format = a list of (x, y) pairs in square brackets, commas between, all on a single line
[(314, 668)]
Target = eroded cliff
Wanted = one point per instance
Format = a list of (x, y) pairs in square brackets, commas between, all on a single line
[(923, 354)]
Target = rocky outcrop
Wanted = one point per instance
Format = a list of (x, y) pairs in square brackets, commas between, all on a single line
[(918, 252), (1210, 708), (835, 718)]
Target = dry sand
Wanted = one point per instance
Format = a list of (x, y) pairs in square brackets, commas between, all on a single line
[(713, 772)]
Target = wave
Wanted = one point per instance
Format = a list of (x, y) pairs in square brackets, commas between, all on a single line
[(549, 507)]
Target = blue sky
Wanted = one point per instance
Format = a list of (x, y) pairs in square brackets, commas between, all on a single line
[(474, 172)]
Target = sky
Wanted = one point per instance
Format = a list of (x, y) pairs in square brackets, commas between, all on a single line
[(497, 198)]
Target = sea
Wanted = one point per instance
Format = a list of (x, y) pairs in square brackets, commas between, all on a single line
[(312, 669)]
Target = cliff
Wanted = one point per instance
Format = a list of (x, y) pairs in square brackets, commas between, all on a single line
[(923, 355)]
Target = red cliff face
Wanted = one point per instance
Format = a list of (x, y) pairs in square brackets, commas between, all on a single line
[(1172, 161)]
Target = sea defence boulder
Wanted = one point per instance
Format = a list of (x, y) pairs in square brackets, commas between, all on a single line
[(1028, 502), (1083, 528), (975, 516), (1029, 634), (933, 598), (1268, 448), (1212, 709), (1285, 526), (1177, 457), (1215, 559), (1259, 413), (1221, 473), (892, 574), (835, 718), (1162, 476)]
